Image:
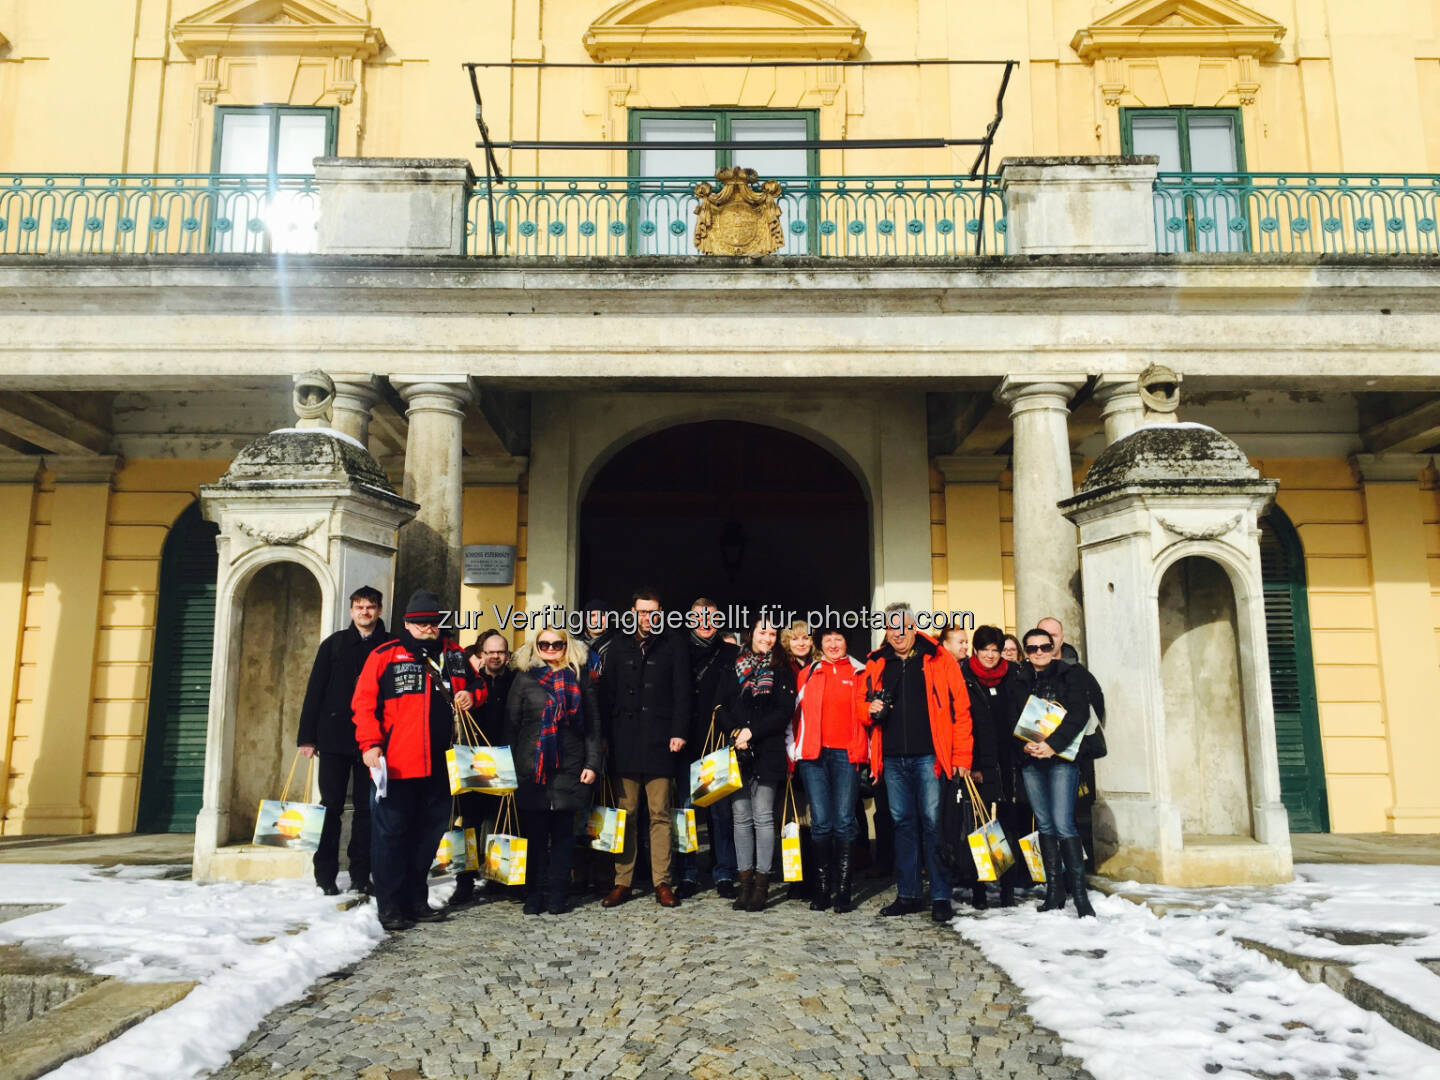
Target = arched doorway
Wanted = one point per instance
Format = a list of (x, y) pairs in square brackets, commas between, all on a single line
[(173, 773), (1292, 675), (743, 513)]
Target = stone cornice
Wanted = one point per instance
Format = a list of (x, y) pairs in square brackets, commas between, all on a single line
[(1390, 468), (971, 468), (21, 469), (81, 468), (1186, 28), (285, 27)]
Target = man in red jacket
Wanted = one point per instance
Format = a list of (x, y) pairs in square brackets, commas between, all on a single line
[(404, 708), (918, 712)]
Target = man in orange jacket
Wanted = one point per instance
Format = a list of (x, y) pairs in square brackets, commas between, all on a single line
[(917, 710), (404, 712)]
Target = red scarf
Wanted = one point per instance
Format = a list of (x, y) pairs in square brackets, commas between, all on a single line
[(989, 677)]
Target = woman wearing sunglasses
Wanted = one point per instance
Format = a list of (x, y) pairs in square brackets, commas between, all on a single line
[(552, 723), (1051, 782)]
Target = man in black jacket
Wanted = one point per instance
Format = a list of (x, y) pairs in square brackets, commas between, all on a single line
[(646, 693), (489, 659), (326, 725), (711, 660)]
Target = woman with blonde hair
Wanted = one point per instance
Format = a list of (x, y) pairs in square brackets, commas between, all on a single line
[(552, 723)]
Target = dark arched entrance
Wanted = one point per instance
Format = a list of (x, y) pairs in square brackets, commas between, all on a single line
[(1292, 675), (174, 765), (743, 513)]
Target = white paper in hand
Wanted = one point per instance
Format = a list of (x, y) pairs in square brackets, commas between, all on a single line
[(379, 777)]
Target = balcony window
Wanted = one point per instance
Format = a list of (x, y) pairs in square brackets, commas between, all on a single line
[(1204, 141), (666, 208), (271, 141)]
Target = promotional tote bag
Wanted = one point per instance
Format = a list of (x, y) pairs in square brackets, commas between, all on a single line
[(475, 765), (717, 773), (988, 846), (686, 839), (287, 824), (504, 850), (790, 837), (605, 825)]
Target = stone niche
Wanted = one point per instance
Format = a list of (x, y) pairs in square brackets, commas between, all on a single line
[(306, 516), (1189, 793)]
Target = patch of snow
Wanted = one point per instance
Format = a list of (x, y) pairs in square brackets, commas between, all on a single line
[(251, 947), (322, 431), (1169, 425), (1138, 997)]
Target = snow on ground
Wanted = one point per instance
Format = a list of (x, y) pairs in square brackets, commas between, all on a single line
[(1140, 997), (251, 947)]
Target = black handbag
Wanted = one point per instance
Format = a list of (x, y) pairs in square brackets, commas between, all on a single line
[(957, 822)]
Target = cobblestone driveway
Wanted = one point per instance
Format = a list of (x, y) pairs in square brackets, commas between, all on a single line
[(643, 992)]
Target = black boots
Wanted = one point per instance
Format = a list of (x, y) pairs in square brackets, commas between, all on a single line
[(979, 898), (1074, 852), (843, 880), (1054, 874), (820, 892), (747, 886)]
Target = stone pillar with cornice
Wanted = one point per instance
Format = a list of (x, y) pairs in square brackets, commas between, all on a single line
[(1047, 563), (429, 556), (1395, 528), (355, 396), (52, 798), (17, 509), (1120, 406)]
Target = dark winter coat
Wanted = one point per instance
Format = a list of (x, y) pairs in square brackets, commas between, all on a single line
[(325, 721), (491, 715), (523, 712), (993, 712), (1067, 684), (646, 699), (767, 716), (710, 666)]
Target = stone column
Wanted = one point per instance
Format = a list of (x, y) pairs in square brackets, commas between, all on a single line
[(1120, 405), (17, 510), (1394, 524), (53, 799), (429, 556), (355, 396), (1047, 562)]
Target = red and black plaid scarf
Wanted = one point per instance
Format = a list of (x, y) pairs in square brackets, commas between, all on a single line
[(562, 707)]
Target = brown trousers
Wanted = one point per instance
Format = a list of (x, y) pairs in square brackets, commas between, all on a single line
[(657, 795)]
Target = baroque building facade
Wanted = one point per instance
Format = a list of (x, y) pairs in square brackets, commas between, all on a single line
[(889, 407)]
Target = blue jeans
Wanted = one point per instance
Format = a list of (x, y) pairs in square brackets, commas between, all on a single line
[(722, 840), (1051, 790), (831, 783), (406, 827), (753, 807), (915, 806)]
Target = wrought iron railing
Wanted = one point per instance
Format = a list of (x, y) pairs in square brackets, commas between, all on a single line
[(834, 216), (137, 214), (1297, 213)]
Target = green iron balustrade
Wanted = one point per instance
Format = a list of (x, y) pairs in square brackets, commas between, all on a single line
[(1297, 213), (938, 216), (170, 213)]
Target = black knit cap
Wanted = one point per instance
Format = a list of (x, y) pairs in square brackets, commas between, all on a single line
[(424, 607)]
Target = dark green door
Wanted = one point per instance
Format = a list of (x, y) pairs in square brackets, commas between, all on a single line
[(174, 769), (1292, 675)]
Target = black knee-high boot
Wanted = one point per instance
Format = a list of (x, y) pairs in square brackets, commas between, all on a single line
[(1054, 873), (1074, 854), (820, 891)]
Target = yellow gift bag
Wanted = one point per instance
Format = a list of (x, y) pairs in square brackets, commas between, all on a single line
[(717, 773), (790, 837), (686, 839), (1030, 849), (605, 825), (283, 823), (475, 765), (988, 846), (505, 851)]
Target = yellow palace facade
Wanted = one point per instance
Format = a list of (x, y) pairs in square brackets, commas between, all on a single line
[(888, 407)]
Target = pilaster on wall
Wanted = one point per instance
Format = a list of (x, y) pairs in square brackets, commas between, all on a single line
[(50, 798), (492, 515), (1399, 568), (972, 536), (17, 510)]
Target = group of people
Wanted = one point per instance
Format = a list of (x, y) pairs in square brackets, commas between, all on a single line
[(614, 714)]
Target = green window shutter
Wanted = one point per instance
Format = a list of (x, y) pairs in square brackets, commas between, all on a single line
[(1292, 676), (174, 768)]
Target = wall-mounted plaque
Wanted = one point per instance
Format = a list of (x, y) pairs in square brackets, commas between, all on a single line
[(489, 564)]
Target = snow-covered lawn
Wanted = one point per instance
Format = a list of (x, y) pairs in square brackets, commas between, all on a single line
[(251, 948), (1139, 997)]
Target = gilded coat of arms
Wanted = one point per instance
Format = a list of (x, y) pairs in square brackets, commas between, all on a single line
[(738, 219)]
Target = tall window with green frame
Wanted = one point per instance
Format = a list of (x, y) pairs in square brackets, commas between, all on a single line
[(1210, 213), (278, 143), (664, 213)]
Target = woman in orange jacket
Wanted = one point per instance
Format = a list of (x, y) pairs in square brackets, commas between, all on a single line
[(828, 744)]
